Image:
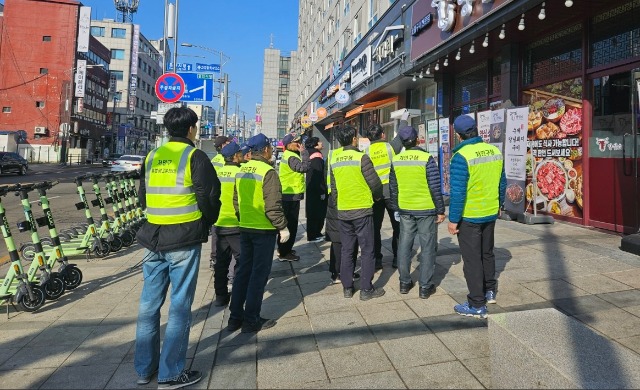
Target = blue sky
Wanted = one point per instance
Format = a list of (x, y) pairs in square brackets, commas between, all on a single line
[(238, 28)]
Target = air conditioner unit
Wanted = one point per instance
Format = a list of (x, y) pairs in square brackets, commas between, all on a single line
[(40, 130)]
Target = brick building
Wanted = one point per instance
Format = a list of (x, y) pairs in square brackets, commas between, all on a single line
[(44, 46)]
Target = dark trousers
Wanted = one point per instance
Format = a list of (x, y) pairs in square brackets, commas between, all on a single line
[(361, 231), (476, 246), (335, 256), (227, 255), (256, 258), (213, 245), (378, 217), (291, 210), (316, 214)]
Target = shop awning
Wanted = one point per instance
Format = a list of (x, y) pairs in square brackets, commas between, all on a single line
[(370, 106)]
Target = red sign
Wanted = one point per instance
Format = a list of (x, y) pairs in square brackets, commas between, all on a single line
[(169, 87)]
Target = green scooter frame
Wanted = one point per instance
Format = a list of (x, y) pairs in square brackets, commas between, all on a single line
[(119, 220), (115, 241), (15, 287), (51, 281), (71, 274)]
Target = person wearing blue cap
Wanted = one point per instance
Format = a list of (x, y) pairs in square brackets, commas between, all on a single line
[(258, 202), (246, 153), (414, 186), (295, 163), (227, 227), (477, 192)]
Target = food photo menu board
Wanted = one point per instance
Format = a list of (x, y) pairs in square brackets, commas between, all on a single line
[(554, 159)]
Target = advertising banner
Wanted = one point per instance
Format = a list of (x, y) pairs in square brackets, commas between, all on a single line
[(361, 67), (515, 155), (432, 138), (133, 81), (491, 127), (84, 29), (445, 154), (81, 77), (554, 165)]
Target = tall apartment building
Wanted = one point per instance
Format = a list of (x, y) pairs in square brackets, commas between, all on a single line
[(276, 92), (135, 64), (53, 80), (327, 31)]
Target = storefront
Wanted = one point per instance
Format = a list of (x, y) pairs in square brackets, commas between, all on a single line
[(576, 69)]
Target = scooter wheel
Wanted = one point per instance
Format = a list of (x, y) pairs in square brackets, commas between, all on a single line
[(102, 252), (126, 238), (28, 252), (46, 241), (64, 237), (72, 277), (115, 244), (26, 304), (54, 288)]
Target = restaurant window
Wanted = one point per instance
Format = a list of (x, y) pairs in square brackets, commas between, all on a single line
[(615, 35), (470, 88), (554, 57)]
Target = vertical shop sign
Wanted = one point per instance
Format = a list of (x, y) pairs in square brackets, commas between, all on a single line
[(445, 153), (515, 155), (84, 26), (133, 82), (432, 137)]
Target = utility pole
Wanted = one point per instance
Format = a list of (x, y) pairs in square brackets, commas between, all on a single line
[(225, 101)]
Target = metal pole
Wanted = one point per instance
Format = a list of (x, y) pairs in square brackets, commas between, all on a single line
[(219, 94), (226, 103), (164, 40), (113, 124), (175, 40)]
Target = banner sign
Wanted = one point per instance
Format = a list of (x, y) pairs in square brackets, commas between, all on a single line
[(432, 137), (81, 77), (133, 82), (445, 154), (515, 158), (361, 67), (84, 27)]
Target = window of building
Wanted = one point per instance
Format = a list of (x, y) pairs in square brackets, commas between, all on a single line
[(40, 104), (373, 12), (97, 31), (615, 35), (46, 38), (554, 57), (357, 29), (6, 109), (118, 33), (44, 70), (117, 74), (346, 6), (117, 54)]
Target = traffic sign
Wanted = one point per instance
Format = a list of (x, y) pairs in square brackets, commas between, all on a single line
[(170, 87), (182, 67), (198, 87), (208, 68)]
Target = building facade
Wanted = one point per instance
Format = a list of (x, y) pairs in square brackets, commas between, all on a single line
[(135, 66), (276, 92), (573, 66), (206, 120), (53, 80)]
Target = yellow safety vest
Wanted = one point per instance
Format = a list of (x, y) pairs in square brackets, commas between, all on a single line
[(169, 190), (332, 154), (249, 182), (227, 177), (217, 161), (485, 169), (292, 181), (410, 168), (353, 191), (381, 154)]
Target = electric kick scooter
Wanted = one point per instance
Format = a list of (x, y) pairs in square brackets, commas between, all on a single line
[(119, 222)]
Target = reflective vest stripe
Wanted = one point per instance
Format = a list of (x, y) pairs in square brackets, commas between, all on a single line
[(408, 163), (249, 187), (414, 194), (227, 179), (345, 164), (252, 176), (170, 190), (353, 191), (179, 188), (173, 210), (486, 159)]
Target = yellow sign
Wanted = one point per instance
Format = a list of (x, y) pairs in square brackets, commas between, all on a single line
[(306, 122)]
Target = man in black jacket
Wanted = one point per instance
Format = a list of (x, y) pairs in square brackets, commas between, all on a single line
[(316, 199), (181, 206)]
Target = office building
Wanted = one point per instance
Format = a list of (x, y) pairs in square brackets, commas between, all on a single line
[(276, 92)]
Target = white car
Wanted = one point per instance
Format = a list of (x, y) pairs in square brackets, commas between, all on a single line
[(127, 163)]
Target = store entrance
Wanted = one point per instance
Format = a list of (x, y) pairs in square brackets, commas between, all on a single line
[(614, 146)]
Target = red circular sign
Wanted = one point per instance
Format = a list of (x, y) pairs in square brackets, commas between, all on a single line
[(170, 87)]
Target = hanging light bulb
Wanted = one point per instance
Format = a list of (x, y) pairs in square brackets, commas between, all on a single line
[(428, 70), (421, 75), (521, 24), (446, 60), (437, 67), (458, 56), (472, 49), (486, 41), (542, 13), (502, 33), (568, 3), (414, 78)]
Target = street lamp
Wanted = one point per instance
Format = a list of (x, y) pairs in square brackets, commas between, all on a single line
[(222, 63)]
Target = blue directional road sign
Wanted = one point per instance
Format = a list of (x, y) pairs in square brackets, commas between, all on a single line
[(198, 87), (208, 68), (182, 67)]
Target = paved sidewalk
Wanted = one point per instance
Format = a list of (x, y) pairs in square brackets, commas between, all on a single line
[(322, 340)]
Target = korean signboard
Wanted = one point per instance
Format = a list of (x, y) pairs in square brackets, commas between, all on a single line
[(361, 67)]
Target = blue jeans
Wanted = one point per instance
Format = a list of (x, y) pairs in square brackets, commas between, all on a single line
[(256, 258), (427, 231), (180, 268)]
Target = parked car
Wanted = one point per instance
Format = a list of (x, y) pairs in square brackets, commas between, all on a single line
[(128, 163), (13, 162), (107, 162)]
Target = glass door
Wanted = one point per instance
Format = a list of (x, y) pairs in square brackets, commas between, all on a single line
[(613, 153)]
